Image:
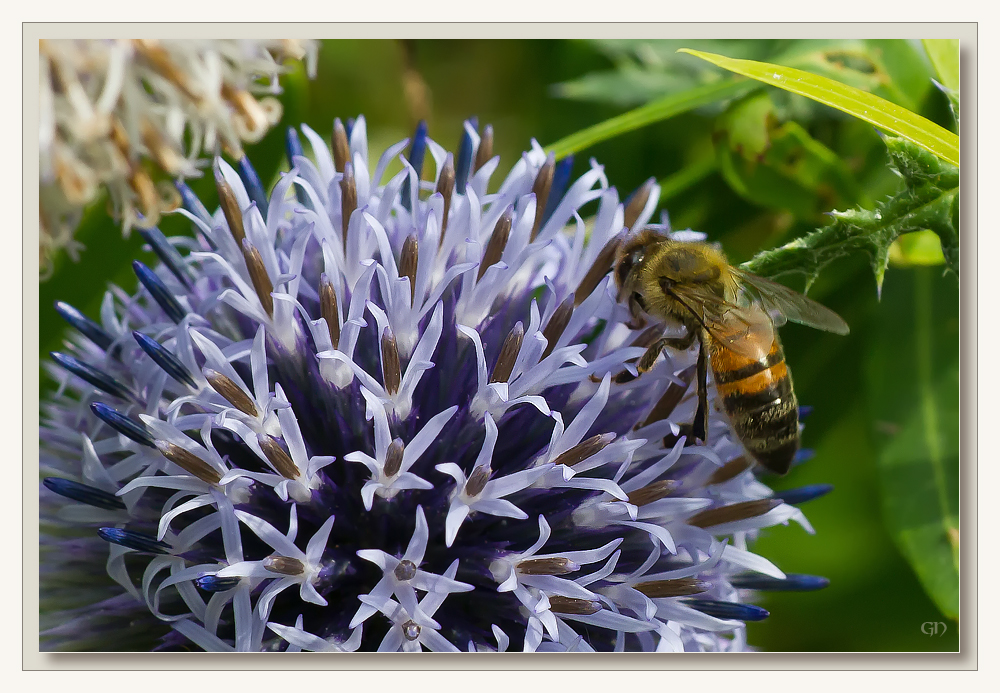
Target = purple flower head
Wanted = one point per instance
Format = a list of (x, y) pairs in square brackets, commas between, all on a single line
[(376, 412)]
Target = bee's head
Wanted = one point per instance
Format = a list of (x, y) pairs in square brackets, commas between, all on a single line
[(631, 252)]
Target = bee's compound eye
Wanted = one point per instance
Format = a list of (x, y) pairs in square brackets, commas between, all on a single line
[(622, 270)]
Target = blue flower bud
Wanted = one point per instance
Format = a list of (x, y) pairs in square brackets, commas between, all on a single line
[(136, 541), (793, 582), (164, 359), (83, 493), (159, 291), (94, 376), (123, 424), (84, 325), (728, 610), (796, 496)]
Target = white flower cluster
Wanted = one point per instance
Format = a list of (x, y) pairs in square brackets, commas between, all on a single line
[(110, 109)]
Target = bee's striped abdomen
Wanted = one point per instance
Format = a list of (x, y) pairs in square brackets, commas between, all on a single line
[(760, 401)]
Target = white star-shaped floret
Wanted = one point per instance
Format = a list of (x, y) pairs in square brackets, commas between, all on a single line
[(299, 639), (532, 585), (387, 482), (288, 566), (168, 438), (245, 425), (400, 400), (227, 261), (306, 473), (414, 627), (402, 576), (622, 592), (485, 497)]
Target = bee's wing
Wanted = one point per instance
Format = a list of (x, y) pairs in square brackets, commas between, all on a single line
[(775, 297), (743, 329)]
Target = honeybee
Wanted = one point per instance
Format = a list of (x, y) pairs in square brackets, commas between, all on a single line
[(732, 314)]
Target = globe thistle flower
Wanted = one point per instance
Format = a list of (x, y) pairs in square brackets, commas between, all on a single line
[(124, 114), (371, 412)]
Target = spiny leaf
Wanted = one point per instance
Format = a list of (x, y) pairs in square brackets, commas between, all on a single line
[(929, 200), (861, 104)]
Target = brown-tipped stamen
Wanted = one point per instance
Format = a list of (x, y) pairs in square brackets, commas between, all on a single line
[(498, 241), (157, 56), (405, 570), (508, 355), (547, 566), (230, 391), (119, 137), (670, 399), (394, 457), (570, 605), (252, 114), (341, 148), (556, 324), (446, 186), (189, 462), (585, 450), (477, 482), (165, 156), (390, 362), (681, 587), (283, 565), (145, 190), (408, 263), (543, 183), (602, 265), (230, 207), (328, 308), (485, 151), (730, 470), (733, 512), (258, 275), (277, 456), (653, 492), (348, 200), (637, 202)]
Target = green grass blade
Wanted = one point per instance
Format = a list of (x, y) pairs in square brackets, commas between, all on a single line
[(883, 114), (944, 57), (654, 111)]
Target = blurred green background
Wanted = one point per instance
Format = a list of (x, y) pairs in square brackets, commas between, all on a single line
[(752, 172)]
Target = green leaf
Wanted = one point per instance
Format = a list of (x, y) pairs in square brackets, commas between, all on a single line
[(929, 200), (652, 112), (873, 109), (906, 71), (914, 382), (779, 166), (747, 124), (627, 86), (944, 57)]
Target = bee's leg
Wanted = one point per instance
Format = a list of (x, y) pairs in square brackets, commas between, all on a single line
[(638, 320), (653, 352), (700, 425)]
